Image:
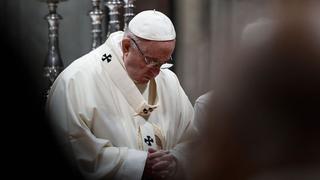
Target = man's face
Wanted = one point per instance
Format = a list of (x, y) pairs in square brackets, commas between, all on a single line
[(144, 58)]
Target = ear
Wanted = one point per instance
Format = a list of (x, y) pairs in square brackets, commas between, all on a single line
[(125, 45)]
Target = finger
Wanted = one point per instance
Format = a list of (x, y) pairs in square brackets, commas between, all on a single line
[(162, 165), (157, 154), (153, 161), (150, 151), (169, 166), (166, 157)]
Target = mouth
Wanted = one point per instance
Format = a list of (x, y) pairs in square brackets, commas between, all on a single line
[(143, 80)]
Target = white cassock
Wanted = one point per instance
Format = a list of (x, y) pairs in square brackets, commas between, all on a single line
[(102, 116)]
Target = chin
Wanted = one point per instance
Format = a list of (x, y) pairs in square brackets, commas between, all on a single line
[(143, 81)]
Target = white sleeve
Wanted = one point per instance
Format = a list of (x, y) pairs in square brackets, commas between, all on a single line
[(188, 132), (95, 157)]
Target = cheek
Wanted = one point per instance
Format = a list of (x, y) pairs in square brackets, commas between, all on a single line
[(132, 65), (134, 68)]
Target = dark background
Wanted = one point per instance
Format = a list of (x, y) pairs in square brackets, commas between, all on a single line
[(29, 148), (204, 28)]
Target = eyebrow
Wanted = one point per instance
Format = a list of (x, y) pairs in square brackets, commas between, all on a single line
[(152, 58), (158, 60)]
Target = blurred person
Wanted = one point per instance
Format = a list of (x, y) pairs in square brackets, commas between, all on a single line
[(264, 114), (253, 34)]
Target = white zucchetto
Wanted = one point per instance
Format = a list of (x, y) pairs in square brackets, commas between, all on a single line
[(152, 25)]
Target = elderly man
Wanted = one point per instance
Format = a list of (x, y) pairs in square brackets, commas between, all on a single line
[(120, 111)]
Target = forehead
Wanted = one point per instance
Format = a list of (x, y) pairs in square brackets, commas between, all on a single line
[(157, 48)]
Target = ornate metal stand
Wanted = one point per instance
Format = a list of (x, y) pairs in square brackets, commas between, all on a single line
[(114, 23), (96, 16), (128, 12), (53, 63)]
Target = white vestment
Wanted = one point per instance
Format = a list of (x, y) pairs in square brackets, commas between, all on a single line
[(100, 114)]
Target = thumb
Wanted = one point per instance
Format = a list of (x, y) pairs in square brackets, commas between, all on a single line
[(151, 150)]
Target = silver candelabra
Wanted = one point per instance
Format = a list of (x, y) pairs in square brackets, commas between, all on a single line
[(96, 16), (53, 63), (114, 23), (128, 12)]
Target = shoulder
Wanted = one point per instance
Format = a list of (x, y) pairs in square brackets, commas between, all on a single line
[(205, 98), (80, 70), (168, 80), (169, 83), (167, 75)]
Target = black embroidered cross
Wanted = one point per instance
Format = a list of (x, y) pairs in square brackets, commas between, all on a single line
[(148, 140), (105, 57)]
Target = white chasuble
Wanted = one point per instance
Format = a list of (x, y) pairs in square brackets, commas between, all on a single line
[(102, 118)]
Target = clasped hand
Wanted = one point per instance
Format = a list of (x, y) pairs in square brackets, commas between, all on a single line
[(159, 164)]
